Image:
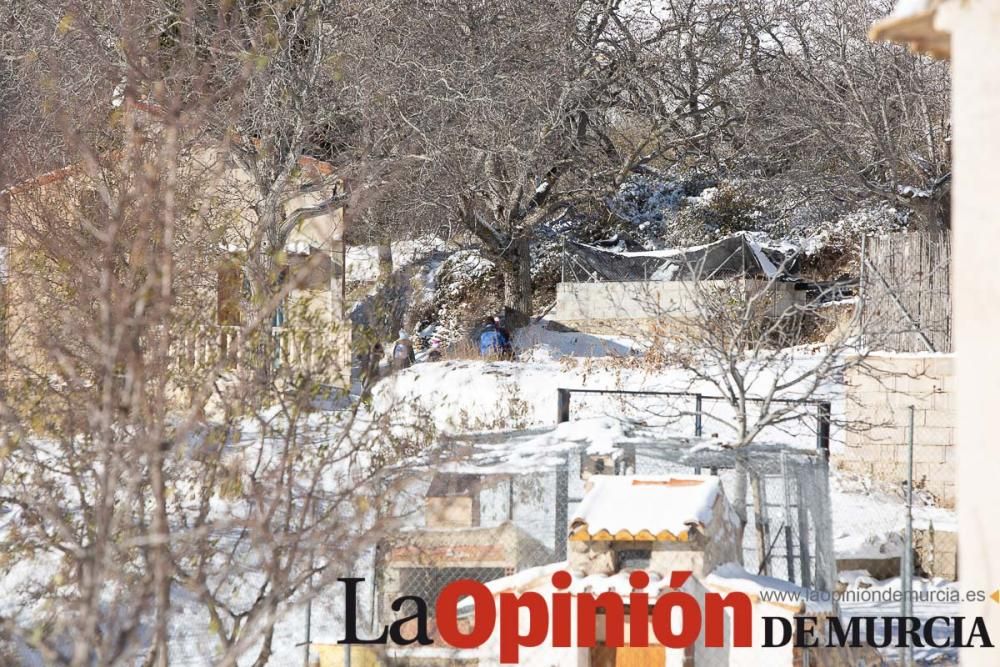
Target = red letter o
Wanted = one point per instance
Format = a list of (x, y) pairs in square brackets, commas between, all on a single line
[(690, 620), (484, 614)]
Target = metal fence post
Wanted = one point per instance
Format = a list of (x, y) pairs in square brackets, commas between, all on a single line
[(789, 546), (823, 428), (562, 510), (697, 424), (862, 289), (308, 641), (309, 602), (907, 564), (805, 557), (510, 498), (563, 406), (562, 261), (826, 559), (697, 415)]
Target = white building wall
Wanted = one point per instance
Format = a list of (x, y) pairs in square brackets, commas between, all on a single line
[(975, 28)]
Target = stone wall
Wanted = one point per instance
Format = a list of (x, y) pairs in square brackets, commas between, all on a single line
[(879, 395), (614, 307)]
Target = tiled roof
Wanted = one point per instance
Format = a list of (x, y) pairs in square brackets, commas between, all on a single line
[(645, 508)]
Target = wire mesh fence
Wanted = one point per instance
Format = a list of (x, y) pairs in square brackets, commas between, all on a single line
[(509, 511), (906, 290), (501, 511)]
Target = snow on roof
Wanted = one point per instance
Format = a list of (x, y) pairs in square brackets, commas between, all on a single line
[(540, 449), (653, 507), (733, 578)]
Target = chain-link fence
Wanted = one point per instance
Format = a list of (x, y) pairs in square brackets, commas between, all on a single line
[(505, 506), (812, 517), (895, 486)]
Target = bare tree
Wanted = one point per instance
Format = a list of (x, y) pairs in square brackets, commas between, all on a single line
[(771, 353), (848, 116), (148, 480), (524, 110)]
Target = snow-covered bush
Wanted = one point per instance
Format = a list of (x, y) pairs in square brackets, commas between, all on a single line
[(644, 199), (465, 287), (717, 212)]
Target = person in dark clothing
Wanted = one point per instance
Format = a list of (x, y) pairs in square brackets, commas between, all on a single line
[(402, 352), (494, 340), (370, 364)]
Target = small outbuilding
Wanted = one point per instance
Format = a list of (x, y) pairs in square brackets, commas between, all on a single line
[(658, 523)]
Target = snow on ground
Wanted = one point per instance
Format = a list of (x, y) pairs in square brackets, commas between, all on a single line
[(536, 343), (466, 395), (473, 395), (867, 597), (868, 521)]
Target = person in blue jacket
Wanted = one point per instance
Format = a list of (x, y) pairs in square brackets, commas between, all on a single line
[(494, 340)]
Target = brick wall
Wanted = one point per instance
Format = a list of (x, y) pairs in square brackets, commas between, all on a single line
[(878, 398)]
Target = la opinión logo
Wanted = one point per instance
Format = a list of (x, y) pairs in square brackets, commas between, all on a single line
[(677, 620)]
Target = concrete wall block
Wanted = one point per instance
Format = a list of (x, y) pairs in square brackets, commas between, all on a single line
[(883, 435), (934, 435), (880, 413), (944, 402), (853, 411), (877, 402), (871, 453), (920, 396), (941, 473), (888, 471), (933, 473), (899, 364), (852, 440), (872, 386), (940, 366), (936, 417), (929, 453)]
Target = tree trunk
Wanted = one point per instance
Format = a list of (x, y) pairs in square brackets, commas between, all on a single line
[(262, 274), (740, 497), (160, 559), (384, 263), (517, 284), (760, 523)]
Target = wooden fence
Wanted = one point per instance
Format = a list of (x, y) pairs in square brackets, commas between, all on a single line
[(307, 350), (906, 292)]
